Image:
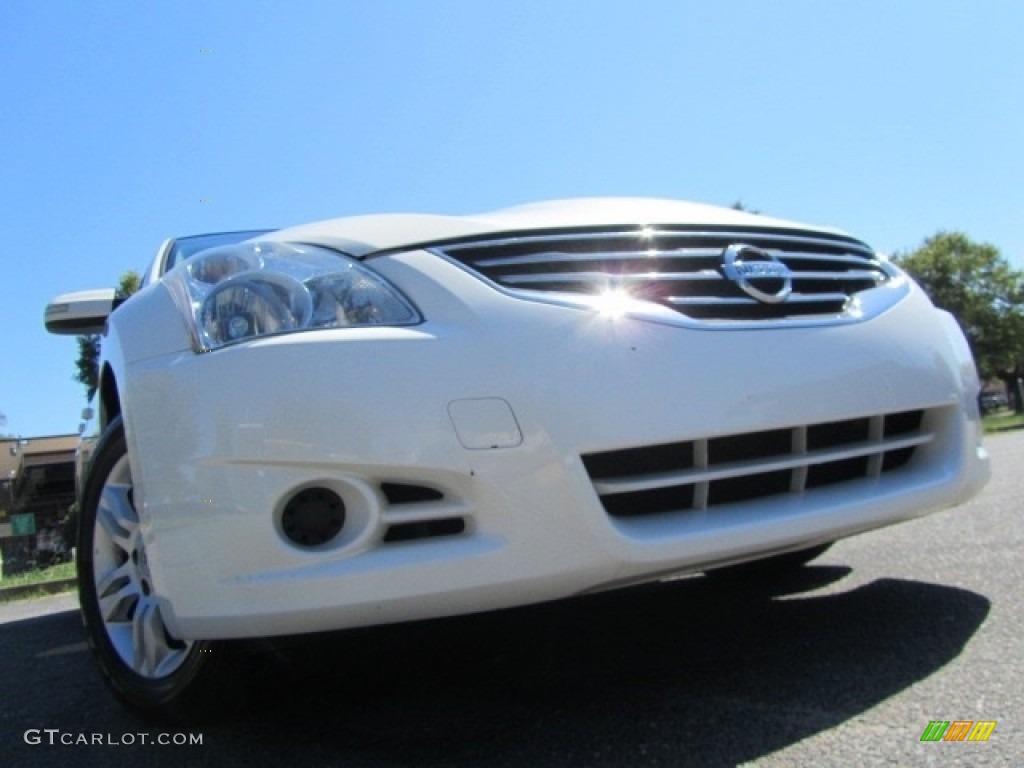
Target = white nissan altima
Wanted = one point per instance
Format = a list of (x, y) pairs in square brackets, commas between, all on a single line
[(387, 418)]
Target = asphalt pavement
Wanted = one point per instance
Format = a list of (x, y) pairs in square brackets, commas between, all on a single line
[(845, 665)]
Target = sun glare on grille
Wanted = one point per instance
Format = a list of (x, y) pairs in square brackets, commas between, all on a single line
[(684, 271)]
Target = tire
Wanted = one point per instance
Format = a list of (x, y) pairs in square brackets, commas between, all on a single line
[(158, 676), (775, 567)]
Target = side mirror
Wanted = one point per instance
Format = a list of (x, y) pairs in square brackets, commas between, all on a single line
[(74, 314)]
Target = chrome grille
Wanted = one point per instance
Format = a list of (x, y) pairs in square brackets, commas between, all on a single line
[(701, 474), (680, 270)]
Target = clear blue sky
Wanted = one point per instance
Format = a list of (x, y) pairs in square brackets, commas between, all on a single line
[(892, 119)]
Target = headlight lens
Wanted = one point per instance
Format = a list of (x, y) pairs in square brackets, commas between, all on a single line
[(238, 292)]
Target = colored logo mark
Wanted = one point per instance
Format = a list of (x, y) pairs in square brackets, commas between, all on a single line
[(958, 730)]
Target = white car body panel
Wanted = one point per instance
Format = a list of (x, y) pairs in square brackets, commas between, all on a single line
[(492, 401)]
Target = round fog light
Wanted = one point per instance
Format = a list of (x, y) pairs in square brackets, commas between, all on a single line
[(313, 516)]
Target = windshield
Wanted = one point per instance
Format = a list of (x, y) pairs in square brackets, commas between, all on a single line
[(186, 247)]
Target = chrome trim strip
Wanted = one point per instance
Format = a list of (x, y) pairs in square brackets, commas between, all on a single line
[(794, 298), (840, 241), (604, 277), (545, 257)]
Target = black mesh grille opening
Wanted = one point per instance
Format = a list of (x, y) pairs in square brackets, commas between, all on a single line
[(755, 311), (427, 529), (639, 461), (404, 493), (837, 433), (837, 472), (903, 423), (846, 285), (897, 459), (653, 502), (756, 445), (747, 487)]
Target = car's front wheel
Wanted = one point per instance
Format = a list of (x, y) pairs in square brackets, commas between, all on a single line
[(155, 673)]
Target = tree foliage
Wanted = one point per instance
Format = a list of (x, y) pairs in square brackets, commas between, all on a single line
[(976, 284), (87, 363)]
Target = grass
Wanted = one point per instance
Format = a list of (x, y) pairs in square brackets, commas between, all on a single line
[(36, 578), (1002, 421)]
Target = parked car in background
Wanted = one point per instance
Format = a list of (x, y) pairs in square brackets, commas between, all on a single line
[(993, 401), (387, 418)]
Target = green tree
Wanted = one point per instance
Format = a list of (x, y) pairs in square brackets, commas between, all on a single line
[(89, 345), (976, 284), (88, 363)]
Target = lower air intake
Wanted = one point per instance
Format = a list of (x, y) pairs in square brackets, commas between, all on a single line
[(702, 474), (416, 512)]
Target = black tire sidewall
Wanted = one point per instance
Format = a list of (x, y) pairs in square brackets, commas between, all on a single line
[(172, 697)]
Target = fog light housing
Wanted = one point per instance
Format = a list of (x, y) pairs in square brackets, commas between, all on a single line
[(313, 517)]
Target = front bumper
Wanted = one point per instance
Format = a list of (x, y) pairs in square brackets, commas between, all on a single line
[(457, 449)]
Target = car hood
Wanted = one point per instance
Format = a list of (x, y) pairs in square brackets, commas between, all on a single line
[(363, 235)]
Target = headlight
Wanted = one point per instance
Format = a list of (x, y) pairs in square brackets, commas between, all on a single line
[(239, 292)]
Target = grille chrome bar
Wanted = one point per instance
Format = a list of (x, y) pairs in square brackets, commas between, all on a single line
[(684, 271), (796, 298), (605, 278), (546, 257), (847, 275)]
